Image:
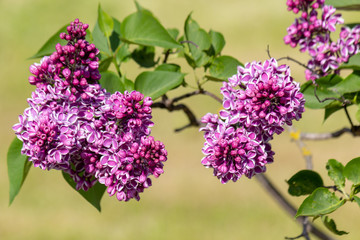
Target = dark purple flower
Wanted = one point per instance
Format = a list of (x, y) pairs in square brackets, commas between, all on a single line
[(257, 102), (72, 123)]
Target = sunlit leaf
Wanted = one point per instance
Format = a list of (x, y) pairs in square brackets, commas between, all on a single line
[(144, 29), (217, 41), (323, 91), (49, 47), (350, 84), (344, 4), (353, 63), (224, 67), (335, 171), (198, 41), (18, 168), (105, 21), (320, 202), (352, 170), (168, 67), (157, 83)]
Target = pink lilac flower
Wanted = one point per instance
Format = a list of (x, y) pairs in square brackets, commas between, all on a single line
[(233, 151), (258, 101), (312, 33), (74, 125)]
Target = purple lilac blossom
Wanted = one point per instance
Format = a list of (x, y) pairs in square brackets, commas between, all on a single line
[(258, 101), (312, 34), (74, 125)]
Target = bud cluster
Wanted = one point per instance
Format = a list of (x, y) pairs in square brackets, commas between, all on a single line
[(311, 31), (74, 125), (257, 102)]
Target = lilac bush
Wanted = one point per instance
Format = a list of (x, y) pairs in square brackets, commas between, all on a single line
[(94, 125)]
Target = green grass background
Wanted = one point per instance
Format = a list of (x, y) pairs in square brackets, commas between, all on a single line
[(186, 202)]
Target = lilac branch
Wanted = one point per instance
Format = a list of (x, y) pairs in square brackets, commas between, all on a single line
[(284, 203), (170, 105), (325, 136)]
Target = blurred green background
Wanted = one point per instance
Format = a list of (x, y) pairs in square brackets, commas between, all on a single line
[(186, 202)]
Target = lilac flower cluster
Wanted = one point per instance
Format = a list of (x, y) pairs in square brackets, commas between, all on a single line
[(257, 102), (312, 33), (72, 123)]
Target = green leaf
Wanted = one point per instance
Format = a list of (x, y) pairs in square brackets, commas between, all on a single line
[(335, 171), (129, 85), (217, 41), (93, 195), (330, 224), (49, 47), (352, 170), (304, 182), (356, 189), (142, 28), (224, 67), (18, 168), (344, 4), (357, 200), (331, 108), (104, 64), (144, 56), (174, 33), (106, 23), (199, 42), (323, 91), (123, 53), (111, 82), (170, 67), (157, 83), (100, 40), (353, 63), (350, 84), (320, 202), (115, 36)]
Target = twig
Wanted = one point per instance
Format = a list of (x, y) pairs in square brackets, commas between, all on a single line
[(348, 117), (169, 105), (197, 92), (296, 61), (324, 136), (274, 192), (167, 53)]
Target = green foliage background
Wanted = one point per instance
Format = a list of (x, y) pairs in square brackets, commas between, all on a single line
[(187, 202)]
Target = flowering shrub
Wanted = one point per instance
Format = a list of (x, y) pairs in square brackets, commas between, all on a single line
[(94, 124)]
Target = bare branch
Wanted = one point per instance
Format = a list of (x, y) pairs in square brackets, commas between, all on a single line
[(296, 61), (274, 192), (324, 136)]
